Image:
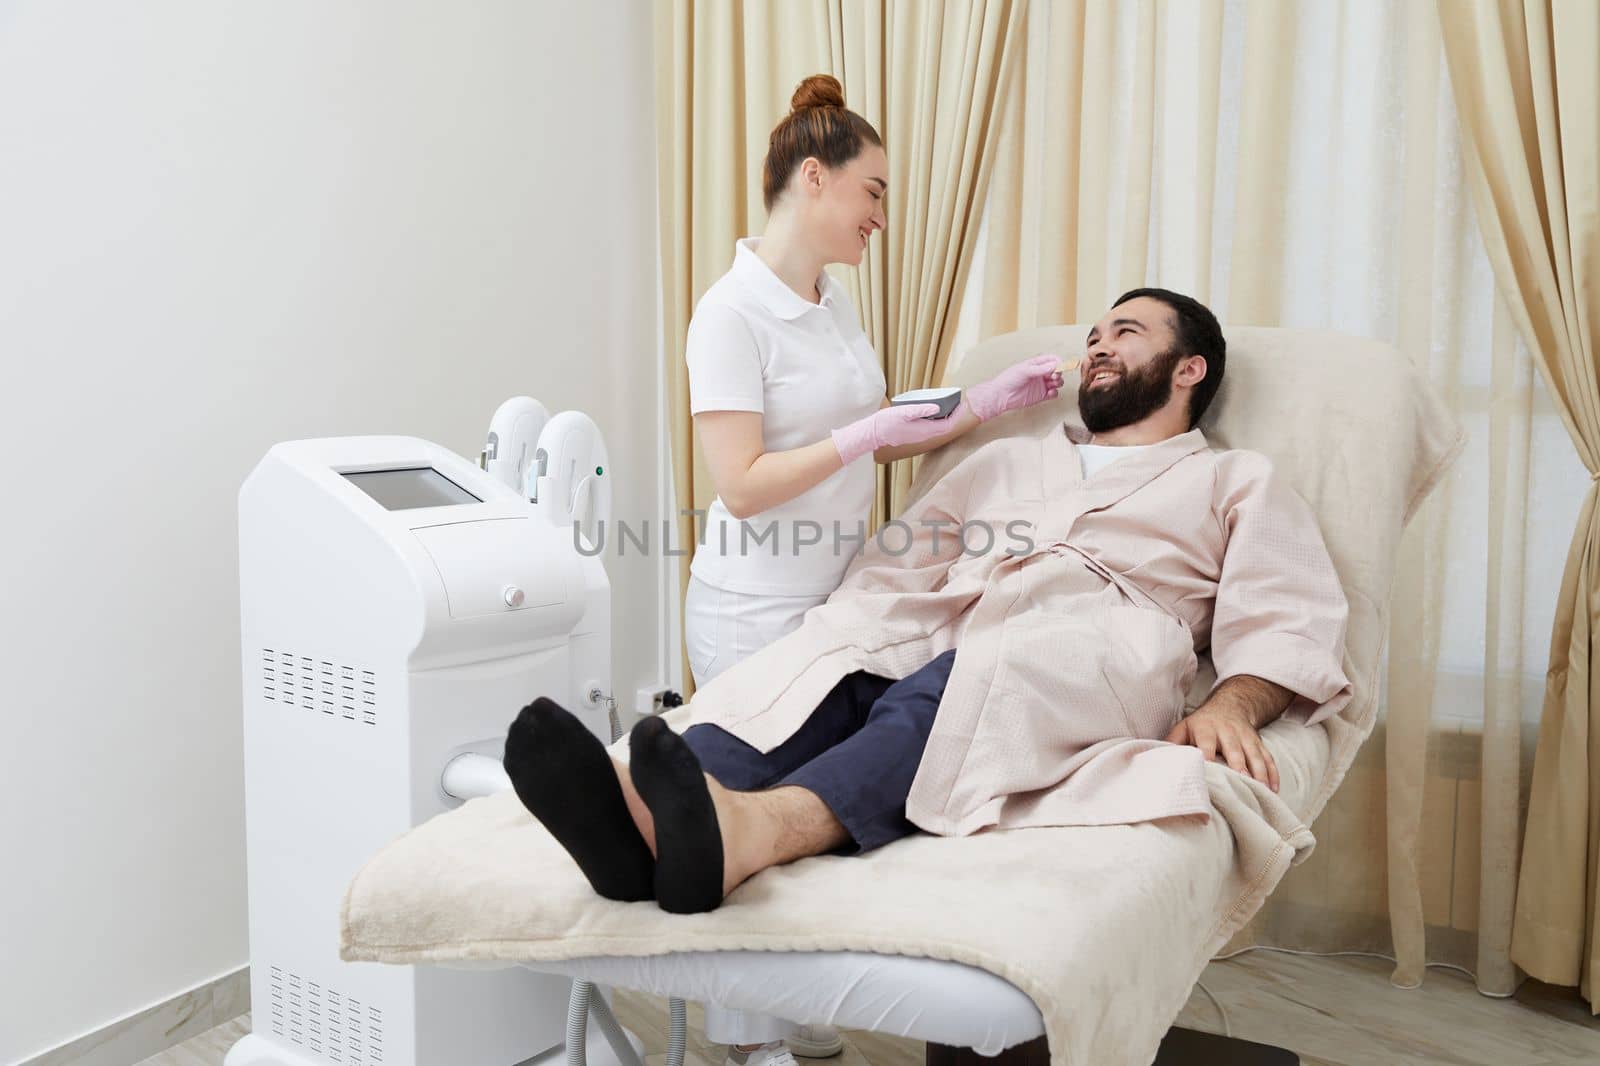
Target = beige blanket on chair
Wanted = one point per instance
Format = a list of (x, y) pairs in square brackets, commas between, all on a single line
[(1106, 928)]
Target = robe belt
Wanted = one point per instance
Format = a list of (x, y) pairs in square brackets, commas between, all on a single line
[(1128, 588)]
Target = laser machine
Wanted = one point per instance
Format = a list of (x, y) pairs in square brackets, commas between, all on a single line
[(399, 605)]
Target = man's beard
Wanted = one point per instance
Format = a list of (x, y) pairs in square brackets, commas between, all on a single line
[(1131, 398)]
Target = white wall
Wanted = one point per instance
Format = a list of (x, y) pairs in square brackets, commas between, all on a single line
[(224, 225)]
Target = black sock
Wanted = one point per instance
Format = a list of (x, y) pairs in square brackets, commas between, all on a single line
[(688, 838), (562, 773)]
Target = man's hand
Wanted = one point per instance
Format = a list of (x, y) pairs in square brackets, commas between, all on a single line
[(1221, 730)]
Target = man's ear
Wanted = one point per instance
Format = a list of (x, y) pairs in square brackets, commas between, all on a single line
[(1192, 370)]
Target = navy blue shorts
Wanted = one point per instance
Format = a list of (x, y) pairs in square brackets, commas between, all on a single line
[(858, 751)]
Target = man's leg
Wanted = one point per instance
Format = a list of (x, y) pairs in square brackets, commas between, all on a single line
[(853, 790), (588, 801), (840, 714), (738, 766), (709, 838), (864, 781)]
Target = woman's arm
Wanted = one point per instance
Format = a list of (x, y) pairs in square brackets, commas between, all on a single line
[(749, 479), (1023, 385)]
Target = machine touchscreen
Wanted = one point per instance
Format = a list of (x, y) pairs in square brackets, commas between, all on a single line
[(402, 490)]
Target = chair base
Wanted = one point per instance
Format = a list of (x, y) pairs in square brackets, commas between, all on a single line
[(1180, 1047)]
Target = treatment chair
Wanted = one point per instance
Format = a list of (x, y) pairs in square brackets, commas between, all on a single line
[(1073, 945)]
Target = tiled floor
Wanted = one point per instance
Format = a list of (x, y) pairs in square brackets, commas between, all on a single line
[(1333, 1011)]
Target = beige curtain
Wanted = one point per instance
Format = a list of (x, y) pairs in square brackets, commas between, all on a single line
[(1069, 213), (929, 77), (1527, 82), (1248, 153)]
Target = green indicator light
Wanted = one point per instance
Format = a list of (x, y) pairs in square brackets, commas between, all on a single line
[(599, 470)]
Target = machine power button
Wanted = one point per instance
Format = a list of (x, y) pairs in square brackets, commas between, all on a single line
[(513, 596)]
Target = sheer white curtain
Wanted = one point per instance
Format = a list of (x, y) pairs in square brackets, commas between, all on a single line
[(1299, 164)]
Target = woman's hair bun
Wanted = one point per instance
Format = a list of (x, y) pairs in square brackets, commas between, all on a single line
[(818, 125), (819, 90)]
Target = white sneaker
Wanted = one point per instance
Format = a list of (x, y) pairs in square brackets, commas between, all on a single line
[(816, 1042), (773, 1054)]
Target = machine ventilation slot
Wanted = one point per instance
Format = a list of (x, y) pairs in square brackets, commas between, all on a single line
[(321, 686), (325, 1021)]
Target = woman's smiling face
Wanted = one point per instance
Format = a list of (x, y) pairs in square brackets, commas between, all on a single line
[(846, 202)]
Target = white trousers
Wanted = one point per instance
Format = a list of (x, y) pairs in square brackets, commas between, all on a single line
[(719, 629), (722, 627)]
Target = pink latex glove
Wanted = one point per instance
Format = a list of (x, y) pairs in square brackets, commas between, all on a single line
[(887, 427), (1023, 385)]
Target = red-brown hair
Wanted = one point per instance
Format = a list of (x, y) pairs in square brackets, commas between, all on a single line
[(818, 124)]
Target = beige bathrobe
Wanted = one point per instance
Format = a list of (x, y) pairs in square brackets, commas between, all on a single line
[(1077, 627)]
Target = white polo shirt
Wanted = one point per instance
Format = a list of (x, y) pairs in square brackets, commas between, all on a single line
[(756, 345)]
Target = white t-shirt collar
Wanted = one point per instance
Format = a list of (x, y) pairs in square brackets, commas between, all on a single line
[(776, 296)]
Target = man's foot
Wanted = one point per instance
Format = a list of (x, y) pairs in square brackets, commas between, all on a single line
[(816, 1042), (562, 774), (689, 856), (773, 1054)]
